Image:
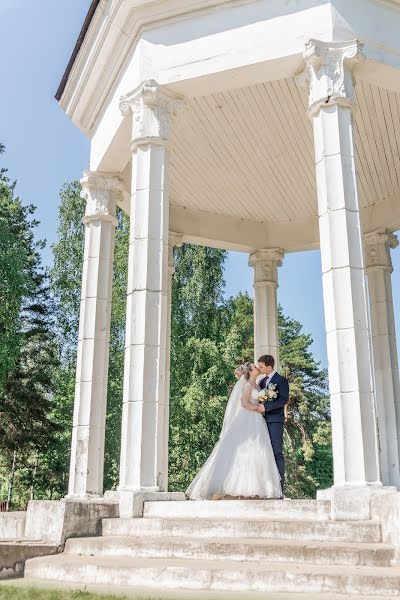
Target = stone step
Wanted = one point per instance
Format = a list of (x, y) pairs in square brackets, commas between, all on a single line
[(329, 531), (303, 510), (293, 551), (217, 575)]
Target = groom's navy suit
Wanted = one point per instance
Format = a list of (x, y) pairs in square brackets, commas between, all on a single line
[(275, 418)]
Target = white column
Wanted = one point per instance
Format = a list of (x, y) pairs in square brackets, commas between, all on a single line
[(87, 449), (385, 365), (266, 337), (355, 446), (143, 417)]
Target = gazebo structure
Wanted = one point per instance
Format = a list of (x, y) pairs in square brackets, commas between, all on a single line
[(261, 126)]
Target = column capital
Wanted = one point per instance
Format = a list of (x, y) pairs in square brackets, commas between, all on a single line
[(101, 191), (265, 264), (327, 73), (153, 107), (175, 240), (377, 249)]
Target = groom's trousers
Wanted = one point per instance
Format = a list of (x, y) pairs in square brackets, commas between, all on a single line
[(276, 435)]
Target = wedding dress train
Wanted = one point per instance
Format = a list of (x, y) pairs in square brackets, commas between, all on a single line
[(242, 462)]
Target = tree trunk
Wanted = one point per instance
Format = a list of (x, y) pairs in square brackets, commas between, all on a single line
[(11, 484), (34, 475)]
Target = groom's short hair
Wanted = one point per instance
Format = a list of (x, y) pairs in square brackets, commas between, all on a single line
[(268, 360)]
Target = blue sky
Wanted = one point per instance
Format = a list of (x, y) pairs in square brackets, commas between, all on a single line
[(44, 149)]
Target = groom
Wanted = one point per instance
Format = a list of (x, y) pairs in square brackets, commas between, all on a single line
[(275, 410)]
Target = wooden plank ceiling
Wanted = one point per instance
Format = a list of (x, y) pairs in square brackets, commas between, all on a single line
[(249, 152)]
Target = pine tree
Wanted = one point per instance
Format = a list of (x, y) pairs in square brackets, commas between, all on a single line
[(15, 255), (26, 426)]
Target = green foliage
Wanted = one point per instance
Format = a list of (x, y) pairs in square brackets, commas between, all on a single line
[(27, 366), (17, 253), (26, 398), (199, 372), (197, 295), (66, 273), (116, 366)]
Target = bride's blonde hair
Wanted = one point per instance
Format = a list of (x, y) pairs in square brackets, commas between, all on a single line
[(246, 368)]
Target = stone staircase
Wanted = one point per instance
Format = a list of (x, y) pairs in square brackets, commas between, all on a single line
[(274, 546)]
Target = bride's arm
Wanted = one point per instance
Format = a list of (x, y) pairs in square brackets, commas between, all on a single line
[(245, 399)]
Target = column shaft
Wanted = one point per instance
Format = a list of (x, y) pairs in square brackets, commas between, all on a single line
[(266, 335), (144, 439), (385, 364), (355, 448), (87, 447)]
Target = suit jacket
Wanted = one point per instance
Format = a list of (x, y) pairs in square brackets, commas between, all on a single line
[(275, 410)]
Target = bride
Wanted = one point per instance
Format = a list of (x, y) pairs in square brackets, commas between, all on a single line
[(242, 462)]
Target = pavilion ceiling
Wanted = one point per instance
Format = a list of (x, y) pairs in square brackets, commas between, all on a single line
[(249, 152)]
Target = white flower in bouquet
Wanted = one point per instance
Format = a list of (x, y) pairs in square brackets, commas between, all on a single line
[(268, 394)]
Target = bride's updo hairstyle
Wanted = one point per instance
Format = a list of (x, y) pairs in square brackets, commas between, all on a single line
[(238, 371), (247, 367)]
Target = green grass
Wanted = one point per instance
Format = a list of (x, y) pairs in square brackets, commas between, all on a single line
[(23, 593)]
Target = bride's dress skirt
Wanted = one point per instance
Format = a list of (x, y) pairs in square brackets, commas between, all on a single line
[(242, 463)]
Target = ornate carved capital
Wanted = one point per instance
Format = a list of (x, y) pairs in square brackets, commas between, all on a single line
[(265, 264), (327, 74), (377, 246), (101, 191), (175, 240), (153, 107)]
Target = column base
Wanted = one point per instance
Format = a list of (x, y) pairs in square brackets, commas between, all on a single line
[(57, 520), (353, 502), (131, 502), (386, 510)]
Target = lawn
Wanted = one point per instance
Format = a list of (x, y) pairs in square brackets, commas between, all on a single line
[(22, 593)]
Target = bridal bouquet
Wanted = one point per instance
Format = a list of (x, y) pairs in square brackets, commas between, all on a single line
[(268, 394)]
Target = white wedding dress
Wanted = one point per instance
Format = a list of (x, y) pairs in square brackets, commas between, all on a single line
[(242, 462)]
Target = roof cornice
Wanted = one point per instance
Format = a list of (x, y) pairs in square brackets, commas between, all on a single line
[(107, 42), (86, 24)]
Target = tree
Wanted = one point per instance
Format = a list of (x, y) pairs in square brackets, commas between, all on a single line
[(27, 379), (66, 273), (16, 250), (199, 372), (26, 398)]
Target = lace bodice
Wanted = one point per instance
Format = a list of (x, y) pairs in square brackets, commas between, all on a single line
[(254, 395)]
